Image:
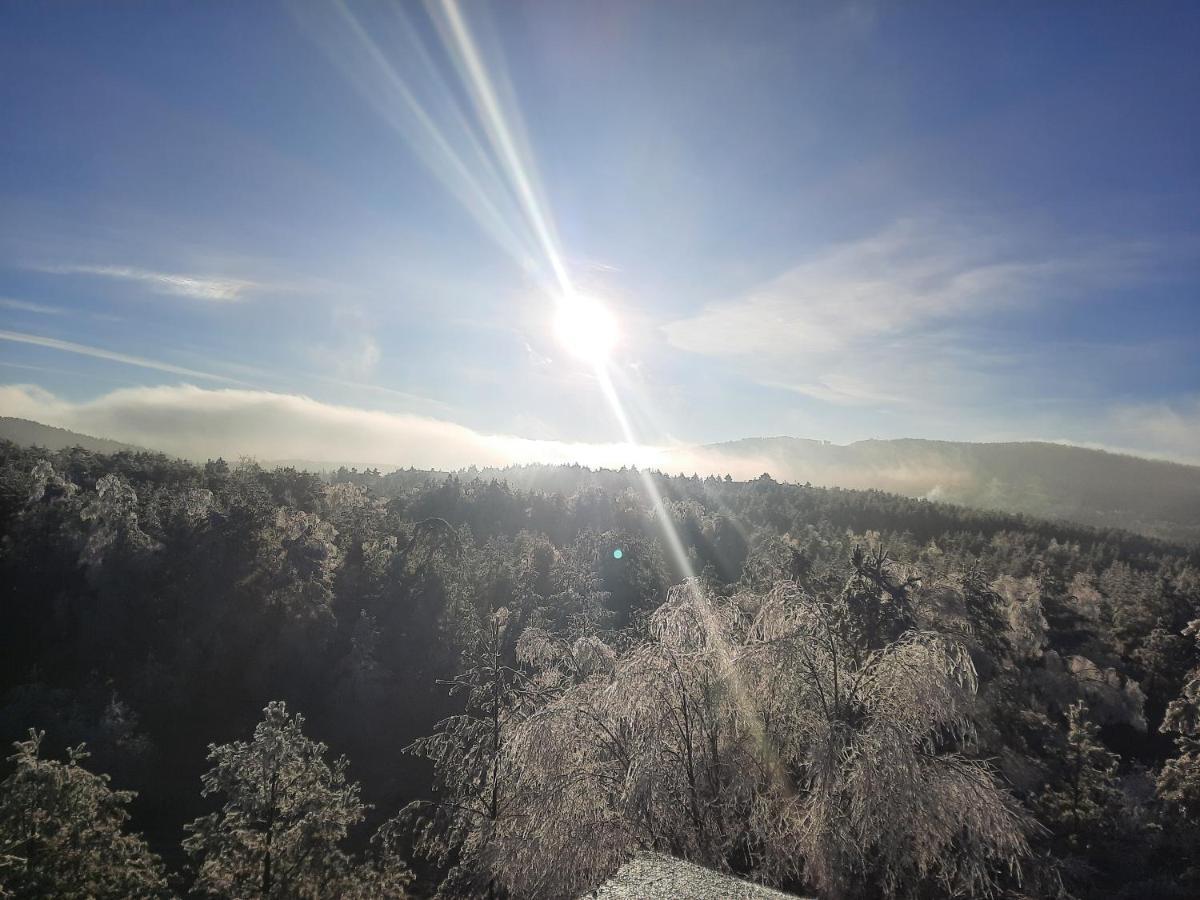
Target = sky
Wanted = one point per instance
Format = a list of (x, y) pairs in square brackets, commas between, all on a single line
[(292, 229)]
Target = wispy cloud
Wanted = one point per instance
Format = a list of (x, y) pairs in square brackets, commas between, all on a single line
[(1172, 428), (37, 340), (214, 290), (864, 323), (907, 277), (412, 400), (351, 351), (25, 306), (843, 390)]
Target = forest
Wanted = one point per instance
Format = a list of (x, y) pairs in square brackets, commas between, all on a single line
[(224, 680)]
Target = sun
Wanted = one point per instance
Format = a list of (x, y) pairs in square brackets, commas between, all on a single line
[(586, 328)]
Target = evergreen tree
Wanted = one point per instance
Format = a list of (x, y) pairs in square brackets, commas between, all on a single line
[(62, 832), (1179, 782), (1081, 809), (457, 830), (287, 810)]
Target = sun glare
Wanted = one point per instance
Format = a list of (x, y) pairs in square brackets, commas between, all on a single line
[(586, 328)]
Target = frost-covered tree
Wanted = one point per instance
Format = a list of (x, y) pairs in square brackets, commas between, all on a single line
[(778, 733), (286, 813), (112, 519), (1179, 782), (62, 832), (1081, 808)]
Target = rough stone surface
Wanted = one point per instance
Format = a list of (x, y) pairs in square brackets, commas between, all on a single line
[(651, 876)]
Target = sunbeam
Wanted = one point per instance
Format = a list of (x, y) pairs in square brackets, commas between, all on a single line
[(474, 146), (497, 183), (500, 129)]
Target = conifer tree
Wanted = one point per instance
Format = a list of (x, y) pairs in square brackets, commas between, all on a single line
[(287, 810), (1082, 807), (456, 831), (1179, 782), (62, 832)]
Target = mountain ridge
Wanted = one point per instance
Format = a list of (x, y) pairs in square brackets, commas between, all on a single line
[(1044, 479), (820, 442), (30, 433)]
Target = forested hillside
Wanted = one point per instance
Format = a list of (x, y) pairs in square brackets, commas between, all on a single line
[(856, 695), (1109, 490), (28, 433)]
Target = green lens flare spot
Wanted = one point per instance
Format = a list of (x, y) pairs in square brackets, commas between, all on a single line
[(618, 553)]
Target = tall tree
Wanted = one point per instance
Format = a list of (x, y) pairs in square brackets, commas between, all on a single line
[(457, 830)]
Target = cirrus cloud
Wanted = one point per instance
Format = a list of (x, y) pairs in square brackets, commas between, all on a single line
[(214, 290), (868, 322)]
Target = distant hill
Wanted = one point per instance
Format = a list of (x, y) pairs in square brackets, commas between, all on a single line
[(35, 434), (1052, 481)]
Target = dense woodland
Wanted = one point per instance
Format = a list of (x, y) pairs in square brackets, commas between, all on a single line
[(226, 681)]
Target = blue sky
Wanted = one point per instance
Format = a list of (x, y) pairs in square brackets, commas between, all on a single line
[(959, 221)]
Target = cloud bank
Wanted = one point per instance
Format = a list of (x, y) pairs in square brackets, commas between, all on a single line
[(197, 423)]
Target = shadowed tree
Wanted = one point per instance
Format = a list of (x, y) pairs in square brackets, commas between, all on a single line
[(287, 810), (1179, 781), (1082, 807), (456, 831), (62, 832)]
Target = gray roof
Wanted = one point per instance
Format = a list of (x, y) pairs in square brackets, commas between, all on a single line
[(652, 876)]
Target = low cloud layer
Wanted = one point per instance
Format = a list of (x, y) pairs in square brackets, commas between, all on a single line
[(199, 424)]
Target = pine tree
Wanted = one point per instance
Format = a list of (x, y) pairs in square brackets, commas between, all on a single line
[(456, 831), (1082, 808), (287, 810), (62, 832)]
